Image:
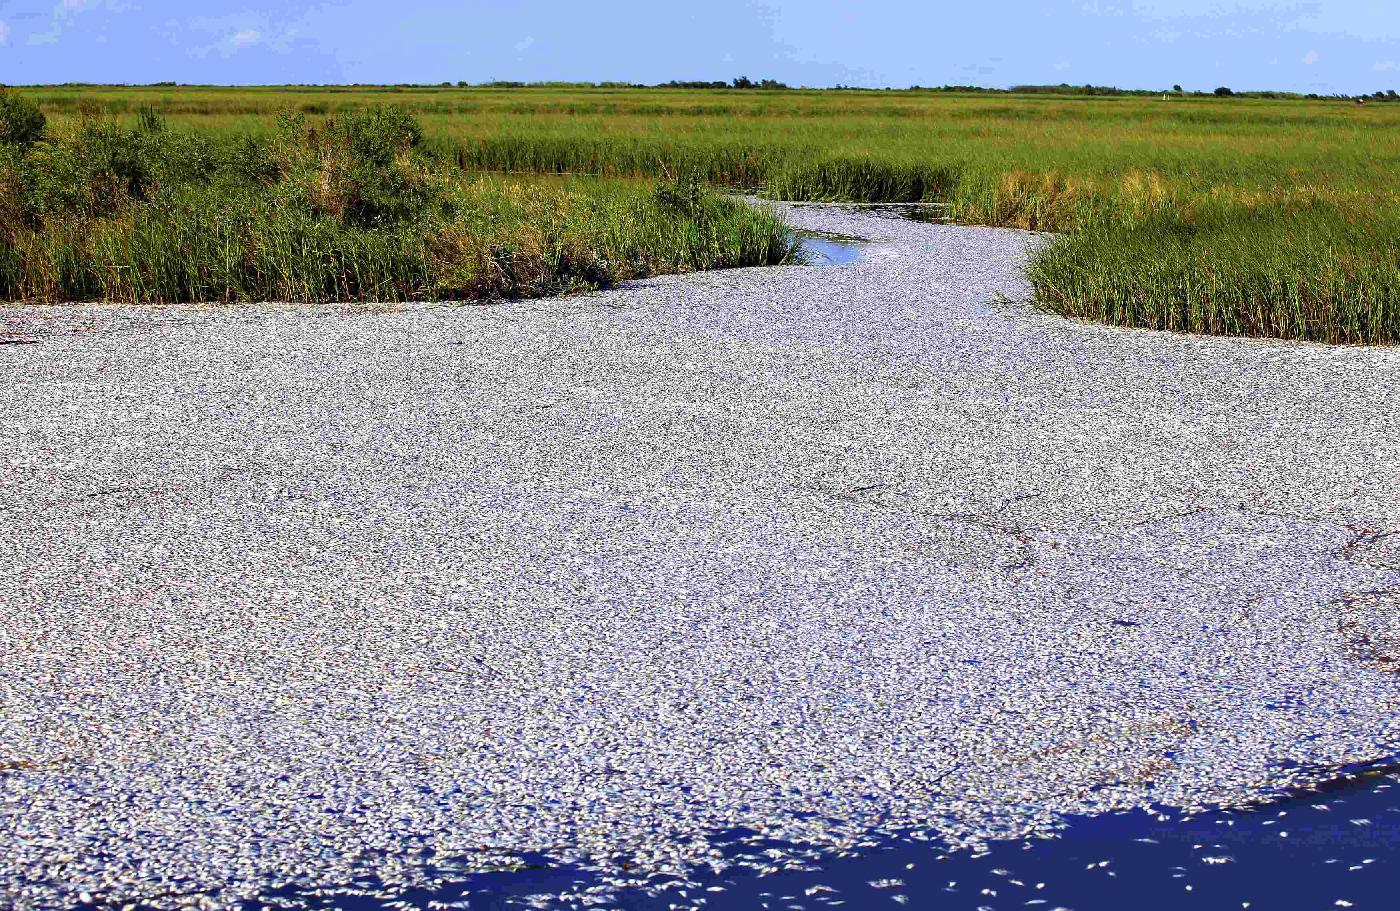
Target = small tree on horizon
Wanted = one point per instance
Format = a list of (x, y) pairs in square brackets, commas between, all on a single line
[(1223, 92)]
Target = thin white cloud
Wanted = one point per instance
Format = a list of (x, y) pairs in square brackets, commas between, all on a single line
[(1311, 57), (225, 36), (525, 42), (4, 32), (66, 11), (1384, 66)]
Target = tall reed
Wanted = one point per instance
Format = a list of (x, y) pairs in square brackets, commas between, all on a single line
[(1214, 215), (352, 208)]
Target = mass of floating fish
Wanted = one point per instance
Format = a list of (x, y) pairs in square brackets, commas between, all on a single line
[(783, 587)]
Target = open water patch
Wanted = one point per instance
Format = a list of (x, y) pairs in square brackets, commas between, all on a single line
[(1332, 845), (828, 249)]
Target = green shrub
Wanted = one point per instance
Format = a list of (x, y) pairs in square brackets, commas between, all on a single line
[(246, 159), (21, 121), (378, 135), (117, 157), (15, 212), (60, 183), (105, 166), (358, 192), (682, 195), (366, 168)]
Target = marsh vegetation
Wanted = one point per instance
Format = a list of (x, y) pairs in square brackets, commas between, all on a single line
[(350, 207), (1224, 215)]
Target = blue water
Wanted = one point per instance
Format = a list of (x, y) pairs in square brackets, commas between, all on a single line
[(828, 251), (1333, 846)]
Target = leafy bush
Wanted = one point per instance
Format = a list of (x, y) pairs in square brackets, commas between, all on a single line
[(21, 121), (104, 167), (366, 168), (14, 203), (680, 196), (116, 156), (246, 159), (378, 135)]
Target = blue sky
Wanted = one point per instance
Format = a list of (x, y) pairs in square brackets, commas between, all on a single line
[(1316, 46)]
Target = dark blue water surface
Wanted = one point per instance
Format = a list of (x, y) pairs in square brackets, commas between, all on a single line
[(1335, 845)]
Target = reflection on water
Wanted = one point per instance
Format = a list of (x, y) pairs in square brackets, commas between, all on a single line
[(826, 250), (1336, 845), (834, 250)]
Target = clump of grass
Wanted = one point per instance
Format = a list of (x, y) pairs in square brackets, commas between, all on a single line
[(1047, 201), (727, 163), (354, 208), (566, 239), (1188, 213), (853, 179), (1322, 271)]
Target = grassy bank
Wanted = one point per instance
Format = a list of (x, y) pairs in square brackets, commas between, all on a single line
[(1257, 217), (1314, 268), (355, 207)]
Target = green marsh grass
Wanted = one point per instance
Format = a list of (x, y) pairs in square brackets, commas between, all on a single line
[(1318, 270), (1252, 217), (356, 207)]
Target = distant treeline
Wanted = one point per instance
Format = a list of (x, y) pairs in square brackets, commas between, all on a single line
[(1065, 88), (743, 82)]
